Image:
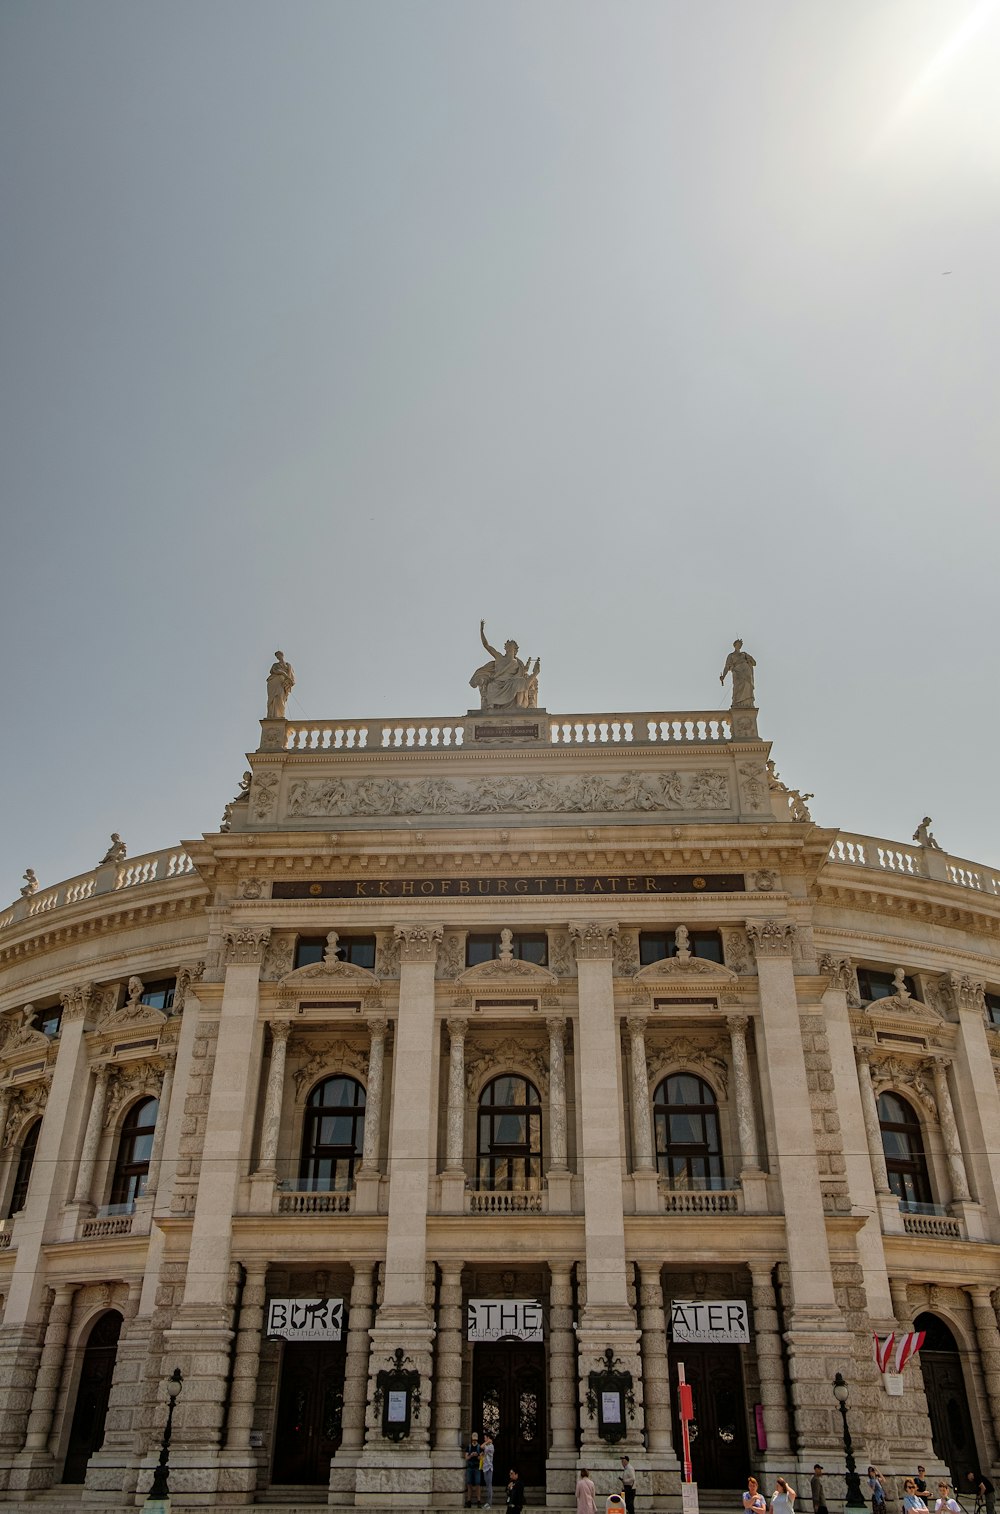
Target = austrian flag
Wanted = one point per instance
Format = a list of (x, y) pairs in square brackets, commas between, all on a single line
[(908, 1346), (882, 1349)]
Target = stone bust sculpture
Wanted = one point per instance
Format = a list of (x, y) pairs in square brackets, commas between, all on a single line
[(741, 665), (280, 682), (507, 682)]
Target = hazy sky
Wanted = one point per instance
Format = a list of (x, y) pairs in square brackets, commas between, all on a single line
[(632, 327)]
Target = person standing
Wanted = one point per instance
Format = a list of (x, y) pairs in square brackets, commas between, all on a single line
[(754, 1501), (627, 1480), (913, 1503), (985, 1493), (586, 1493), (783, 1498), (876, 1490), (946, 1504), (921, 1481), (473, 1474), (817, 1490), (487, 1465), (515, 1491)]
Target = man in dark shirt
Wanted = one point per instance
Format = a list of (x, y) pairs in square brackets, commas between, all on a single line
[(981, 1486), (818, 1491)]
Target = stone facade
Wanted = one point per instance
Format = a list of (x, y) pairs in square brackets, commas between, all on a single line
[(607, 1022)]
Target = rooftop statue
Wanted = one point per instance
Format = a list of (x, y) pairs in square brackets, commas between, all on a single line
[(741, 665), (506, 683), (924, 835), (116, 852), (280, 682), (30, 883)]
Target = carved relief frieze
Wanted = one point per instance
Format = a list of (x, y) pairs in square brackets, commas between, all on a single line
[(386, 956), (264, 794), (754, 787), (451, 957), (486, 1060), (634, 792), (26, 1104), (706, 1056), (327, 1058), (128, 1081), (736, 950), (906, 1073), (626, 953), (562, 959), (278, 957)]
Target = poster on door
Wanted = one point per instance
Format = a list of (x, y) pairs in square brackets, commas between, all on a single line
[(305, 1319), (716, 1322), (495, 1319)]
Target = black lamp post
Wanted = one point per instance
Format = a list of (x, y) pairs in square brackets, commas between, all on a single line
[(855, 1498), (160, 1491)]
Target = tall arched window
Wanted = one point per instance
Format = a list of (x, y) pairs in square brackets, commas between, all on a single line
[(333, 1137), (509, 1143), (25, 1162), (903, 1145), (134, 1151), (686, 1116)]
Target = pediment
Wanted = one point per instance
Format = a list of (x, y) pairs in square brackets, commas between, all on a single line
[(902, 1007), (131, 1016), (684, 969), (329, 975), (21, 1036), (502, 972)]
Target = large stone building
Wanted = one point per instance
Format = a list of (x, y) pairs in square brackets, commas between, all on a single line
[(537, 1029)]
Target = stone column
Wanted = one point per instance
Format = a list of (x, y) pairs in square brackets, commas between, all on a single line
[(159, 1134), (607, 1318), (448, 1369), (562, 1367), (456, 1094), (267, 1165), (976, 1097), (246, 1358), (92, 1139), (769, 1364), (367, 1180), (50, 1369), (655, 1364), (884, 1197), (642, 1134), (356, 1366), (899, 1291), (743, 1091), (988, 1338), (558, 1150), (949, 1131)]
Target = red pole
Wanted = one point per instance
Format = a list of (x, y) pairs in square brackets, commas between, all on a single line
[(686, 1406)]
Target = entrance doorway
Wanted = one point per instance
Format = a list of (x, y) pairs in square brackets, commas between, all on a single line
[(944, 1384), (87, 1431), (719, 1428), (508, 1400), (310, 1406)]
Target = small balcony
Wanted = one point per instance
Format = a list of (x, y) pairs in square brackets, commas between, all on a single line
[(497, 1201), (701, 1201), (930, 1221), (112, 1220)]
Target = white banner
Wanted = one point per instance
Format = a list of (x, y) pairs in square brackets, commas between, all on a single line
[(305, 1319), (718, 1320), (491, 1319)]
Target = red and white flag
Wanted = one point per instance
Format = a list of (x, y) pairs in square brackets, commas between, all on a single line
[(908, 1346), (882, 1349)]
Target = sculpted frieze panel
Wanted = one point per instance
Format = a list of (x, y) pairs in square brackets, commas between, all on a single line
[(706, 789), (706, 1057), (26, 1104), (130, 1081), (19, 1035), (484, 1061), (908, 1075), (332, 1058)]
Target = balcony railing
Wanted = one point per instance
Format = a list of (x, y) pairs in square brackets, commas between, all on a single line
[(936, 1226), (111, 878), (910, 861), (700, 1201), (506, 1201), (112, 1224), (307, 1201), (616, 728)]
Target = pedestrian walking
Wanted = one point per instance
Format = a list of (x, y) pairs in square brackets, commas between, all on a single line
[(627, 1480), (586, 1493), (818, 1491), (515, 1490), (486, 1463)]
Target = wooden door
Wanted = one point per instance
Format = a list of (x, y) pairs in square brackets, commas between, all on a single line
[(719, 1428), (508, 1400), (951, 1426), (310, 1406), (87, 1431)]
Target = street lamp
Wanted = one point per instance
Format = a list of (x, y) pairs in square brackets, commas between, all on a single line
[(159, 1493), (855, 1498)]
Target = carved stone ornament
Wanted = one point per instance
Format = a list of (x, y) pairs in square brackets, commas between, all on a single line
[(737, 951), (630, 792), (842, 975), (764, 880), (246, 944), (451, 957), (593, 941), (335, 974), (79, 1002), (26, 1104), (626, 954), (264, 794), (22, 1035), (965, 992), (483, 1062), (418, 943), (251, 888), (562, 960), (186, 980), (278, 958), (706, 1058), (327, 1059), (386, 956), (901, 1073), (129, 1081), (771, 938), (753, 786), (132, 1013), (506, 967)]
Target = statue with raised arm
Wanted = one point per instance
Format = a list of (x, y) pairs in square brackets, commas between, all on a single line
[(280, 682), (741, 665), (506, 683)]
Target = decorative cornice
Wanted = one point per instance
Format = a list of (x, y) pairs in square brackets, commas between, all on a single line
[(771, 938), (246, 944), (593, 942)]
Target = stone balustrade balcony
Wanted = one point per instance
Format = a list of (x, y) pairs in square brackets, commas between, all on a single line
[(614, 728)]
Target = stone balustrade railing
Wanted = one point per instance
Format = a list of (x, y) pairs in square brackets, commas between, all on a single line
[(942, 1227), (645, 728), (116, 1224), (691, 1201), (912, 861), (313, 1203), (506, 1201), (109, 878)]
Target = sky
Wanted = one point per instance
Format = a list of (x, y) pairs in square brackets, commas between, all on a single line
[(632, 328)]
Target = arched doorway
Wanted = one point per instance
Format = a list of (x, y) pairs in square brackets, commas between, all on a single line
[(944, 1384), (87, 1433)]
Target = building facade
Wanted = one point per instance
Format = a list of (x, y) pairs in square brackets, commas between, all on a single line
[(448, 1086)]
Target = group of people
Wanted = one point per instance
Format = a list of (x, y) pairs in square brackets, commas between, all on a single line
[(586, 1493), (914, 1494), (479, 1475)]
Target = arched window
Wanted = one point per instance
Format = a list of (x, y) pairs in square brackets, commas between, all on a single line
[(509, 1144), (334, 1136), (25, 1161), (903, 1145), (686, 1116), (134, 1150)]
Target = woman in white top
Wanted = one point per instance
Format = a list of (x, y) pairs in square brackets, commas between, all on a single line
[(945, 1503), (754, 1501), (783, 1497)]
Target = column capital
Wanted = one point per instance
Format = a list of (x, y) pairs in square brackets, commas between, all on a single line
[(771, 938), (637, 1025), (979, 1294), (940, 1066), (102, 1071), (77, 1002), (246, 944), (418, 943), (737, 1024), (594, 940), (256, 1273), (457, 1027), (966, 992), (377, 1025), (280, 1030)]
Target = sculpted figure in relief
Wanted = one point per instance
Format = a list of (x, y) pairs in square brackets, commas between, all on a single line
[(506, 683), (280, 682), (741, 665)]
